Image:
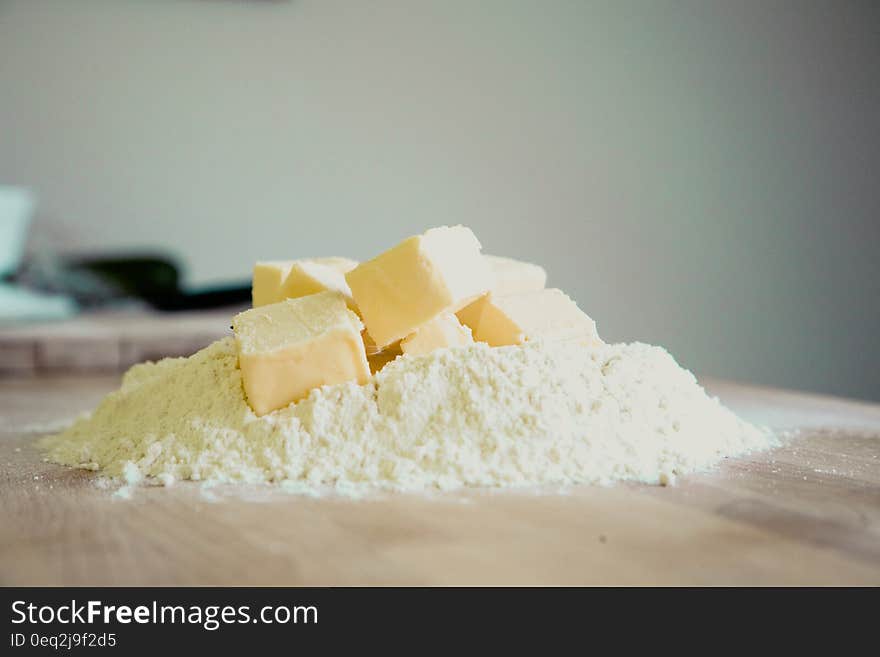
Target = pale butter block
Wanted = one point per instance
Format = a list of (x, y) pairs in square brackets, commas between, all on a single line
[(268, 278), (548, 314), (515, 276), (438, 272), (288, 348), (510, 277), (442, 331), (319, 275), (276, 280), (471, 313)]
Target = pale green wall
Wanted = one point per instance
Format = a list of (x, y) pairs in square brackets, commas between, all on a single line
[(702, 175)]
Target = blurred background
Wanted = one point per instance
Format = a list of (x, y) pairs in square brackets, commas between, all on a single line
[(701, 175)]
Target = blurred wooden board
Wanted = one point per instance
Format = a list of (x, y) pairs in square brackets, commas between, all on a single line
[(807, 513), (107, 341)]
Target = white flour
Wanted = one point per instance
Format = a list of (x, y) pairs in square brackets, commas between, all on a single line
[(476, 416)]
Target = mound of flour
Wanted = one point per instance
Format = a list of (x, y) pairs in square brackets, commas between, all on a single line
[(475, 416)]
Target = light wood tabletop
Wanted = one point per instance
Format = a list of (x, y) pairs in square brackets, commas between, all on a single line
[(805, 513)]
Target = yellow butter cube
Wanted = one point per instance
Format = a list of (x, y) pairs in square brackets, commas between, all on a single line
[(319, 275), (542, 314), (509, 277), (269, 277), (438, 272), (277, 280), (288, 348), (470, 314), (442, 331)]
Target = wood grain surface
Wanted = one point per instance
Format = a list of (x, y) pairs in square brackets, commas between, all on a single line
[(806, 513)]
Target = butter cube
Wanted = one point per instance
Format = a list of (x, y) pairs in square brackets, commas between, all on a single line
[(548, 314), (510, 277), (269, 277), (319, 275), (515, 276), (443, 331), (438, 272), (288, 348), (471, 313), (275, 281)]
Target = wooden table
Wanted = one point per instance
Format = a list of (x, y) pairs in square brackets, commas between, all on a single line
[(107, 341), (807, 513)]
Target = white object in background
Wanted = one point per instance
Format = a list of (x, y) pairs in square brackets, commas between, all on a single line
[(16, 206), (17, 303)]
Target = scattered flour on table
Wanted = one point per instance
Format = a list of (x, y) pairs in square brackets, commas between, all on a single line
[(537, 414)]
